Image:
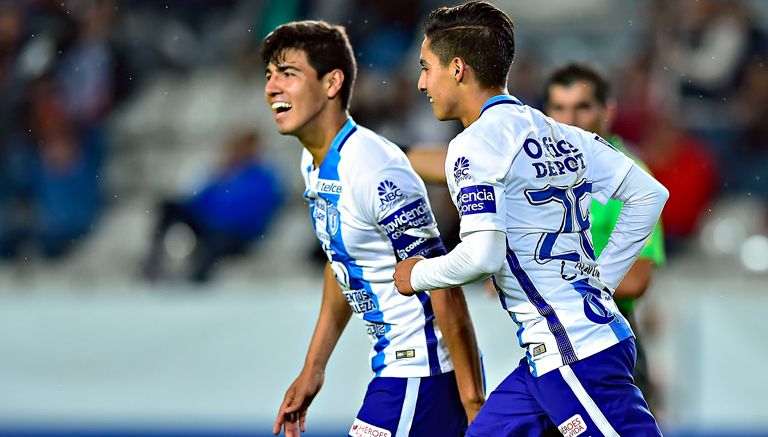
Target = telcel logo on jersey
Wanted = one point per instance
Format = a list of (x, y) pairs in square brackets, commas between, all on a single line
[(328, 187), (389, 193), (461, 170), (476, 199)]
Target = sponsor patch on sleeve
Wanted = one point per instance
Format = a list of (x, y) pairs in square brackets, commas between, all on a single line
[(363, 429), (573, 426), (476, 199), (412, 232)]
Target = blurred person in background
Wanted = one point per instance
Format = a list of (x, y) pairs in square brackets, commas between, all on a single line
[(519, 180), (61, 191), (684, 164), (227, 216), (579, 95), (369, 210)]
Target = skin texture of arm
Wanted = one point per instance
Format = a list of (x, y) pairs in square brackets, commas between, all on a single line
[(637, 280), (429, 163), (455, 323), (334, 316)]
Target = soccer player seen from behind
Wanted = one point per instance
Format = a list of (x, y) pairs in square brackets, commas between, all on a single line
[(579, 95), (522, 184), (369, 210)]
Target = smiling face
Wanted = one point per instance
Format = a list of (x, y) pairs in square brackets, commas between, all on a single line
[(439, 83), (295, 94), (576, 104)]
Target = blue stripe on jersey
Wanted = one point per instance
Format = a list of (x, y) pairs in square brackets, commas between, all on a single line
[(598, 313), (519, 332), (341, 138), (561, 337), (500, 100), (429, 333), (329, 170)]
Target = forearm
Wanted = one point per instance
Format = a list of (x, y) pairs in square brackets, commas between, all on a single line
[(636, 281), (429, 163), (644, 199), (456, 326), (478, 256), (334, 316)]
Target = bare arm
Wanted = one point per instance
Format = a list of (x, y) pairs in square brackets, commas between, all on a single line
[(455, 323), (637, 280), (429, 163), (334, 316)]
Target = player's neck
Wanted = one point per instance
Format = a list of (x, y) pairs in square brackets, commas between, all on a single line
[(474, 101), (318, 136)]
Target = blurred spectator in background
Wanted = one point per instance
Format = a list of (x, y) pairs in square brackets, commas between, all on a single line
[(683, 164), (233, 209), (579, 95), (66, 187), (700, 62)]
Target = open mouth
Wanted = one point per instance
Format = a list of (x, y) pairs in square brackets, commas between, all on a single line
[(430, 99), (281, 107)]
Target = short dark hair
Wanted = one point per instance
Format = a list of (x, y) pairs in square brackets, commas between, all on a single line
[(327, 47), (574, 72), (477, 32)]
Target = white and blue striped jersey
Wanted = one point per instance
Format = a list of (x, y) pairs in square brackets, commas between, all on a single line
[(517, 171), (370, 210)]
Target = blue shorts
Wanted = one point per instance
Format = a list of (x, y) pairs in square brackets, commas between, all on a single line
[(416, 407), (595, 396)]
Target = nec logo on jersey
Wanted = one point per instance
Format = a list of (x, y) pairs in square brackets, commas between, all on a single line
[(389, 193), (461, 170), (476, 199)]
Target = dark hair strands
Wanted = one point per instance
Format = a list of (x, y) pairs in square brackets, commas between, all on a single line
[(327, 48)]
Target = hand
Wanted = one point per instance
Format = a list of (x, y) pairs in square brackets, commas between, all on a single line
[(403, 275), (293, 411)]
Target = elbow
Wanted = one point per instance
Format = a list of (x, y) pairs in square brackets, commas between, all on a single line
[(472, 401), (663, 193), (489, 265)]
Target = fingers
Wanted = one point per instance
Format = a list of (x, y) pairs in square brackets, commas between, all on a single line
[(278, 424), (292, 428), (303, 421)]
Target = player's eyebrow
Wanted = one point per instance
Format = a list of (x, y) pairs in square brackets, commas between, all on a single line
[(422, 62), (279, 68)]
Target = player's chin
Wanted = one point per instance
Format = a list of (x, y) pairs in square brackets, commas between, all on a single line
[(440, 116), (285, 128)]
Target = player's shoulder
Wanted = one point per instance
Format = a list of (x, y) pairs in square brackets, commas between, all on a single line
[(367, 154)]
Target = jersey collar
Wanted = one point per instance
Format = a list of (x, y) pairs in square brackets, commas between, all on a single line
[(348, 129), (503, 99)]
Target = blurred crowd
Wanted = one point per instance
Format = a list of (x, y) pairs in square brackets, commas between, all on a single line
[(689, 77)]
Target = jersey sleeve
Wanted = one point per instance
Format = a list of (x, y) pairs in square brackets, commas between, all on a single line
[(398, 204), (654, 248), (607, 166), (476, 173)]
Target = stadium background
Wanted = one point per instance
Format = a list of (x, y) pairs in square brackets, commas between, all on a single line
[(155, 89)]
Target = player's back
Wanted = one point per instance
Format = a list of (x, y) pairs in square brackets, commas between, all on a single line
[(517, 171)]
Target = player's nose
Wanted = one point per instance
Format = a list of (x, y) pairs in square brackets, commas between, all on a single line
[(271, 88), (421, 84)]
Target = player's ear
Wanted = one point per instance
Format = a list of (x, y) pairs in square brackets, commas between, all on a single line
[(333, 81), (459, 68)]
